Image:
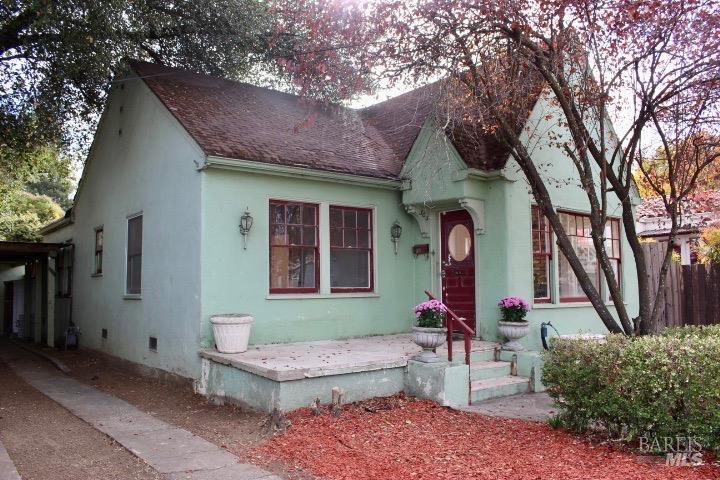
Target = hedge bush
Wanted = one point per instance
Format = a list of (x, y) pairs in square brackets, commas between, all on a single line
[(665, 385)]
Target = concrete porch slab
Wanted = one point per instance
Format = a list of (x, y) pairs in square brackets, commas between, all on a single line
[(296, 361)]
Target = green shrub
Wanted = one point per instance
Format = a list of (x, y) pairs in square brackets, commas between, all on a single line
[(666, 385)]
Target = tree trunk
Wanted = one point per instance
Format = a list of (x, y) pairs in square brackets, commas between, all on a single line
[(542, 198)]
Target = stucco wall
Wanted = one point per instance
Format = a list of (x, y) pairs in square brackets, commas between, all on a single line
[(236, 280), (141, 161)]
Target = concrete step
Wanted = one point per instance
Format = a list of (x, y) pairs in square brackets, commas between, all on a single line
[(498, 387), (476, 356), (489, 369)]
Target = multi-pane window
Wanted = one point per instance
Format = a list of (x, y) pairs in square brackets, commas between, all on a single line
[(579, 231), (294, 253), (351, 249), (542, 256), (64, 269), (133, 274), (98, 250)]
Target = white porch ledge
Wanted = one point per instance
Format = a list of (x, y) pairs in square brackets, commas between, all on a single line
[(296, 361)]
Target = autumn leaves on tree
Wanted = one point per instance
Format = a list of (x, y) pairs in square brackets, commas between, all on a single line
[(654, 66)]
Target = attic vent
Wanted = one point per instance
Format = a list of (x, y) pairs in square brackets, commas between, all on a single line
[(152, 344), (104, 333)]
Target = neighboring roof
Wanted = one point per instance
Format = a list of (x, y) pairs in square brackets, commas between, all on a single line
[(702, 202), (58, 224), (240, 121), (663, 232), (20, 251)]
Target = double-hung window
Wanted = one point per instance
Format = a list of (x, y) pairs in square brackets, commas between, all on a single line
[(320, 248), (133, 274), (294, 253), (351, 249)]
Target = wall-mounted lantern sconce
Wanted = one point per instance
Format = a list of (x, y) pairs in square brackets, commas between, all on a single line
[(246, 222), (395, 232)]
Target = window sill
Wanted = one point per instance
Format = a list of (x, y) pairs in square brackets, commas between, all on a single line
[(541, 306), (96, 275), (293, 296), (132, 296)]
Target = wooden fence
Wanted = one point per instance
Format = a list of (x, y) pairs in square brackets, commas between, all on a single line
[(692, 292)]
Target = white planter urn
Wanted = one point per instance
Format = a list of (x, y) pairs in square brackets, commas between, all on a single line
[(429, 339), (513, 331), (231, 331)]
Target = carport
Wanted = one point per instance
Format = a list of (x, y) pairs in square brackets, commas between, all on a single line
[(28, 288)]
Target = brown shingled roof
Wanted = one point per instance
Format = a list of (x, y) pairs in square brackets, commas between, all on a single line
[(241, 121)]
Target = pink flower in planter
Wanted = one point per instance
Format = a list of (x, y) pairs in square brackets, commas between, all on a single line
[(429, 305), (513, 309), (430, 313)]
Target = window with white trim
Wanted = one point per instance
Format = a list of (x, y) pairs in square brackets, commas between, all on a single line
[(133, 274), (98, 250)]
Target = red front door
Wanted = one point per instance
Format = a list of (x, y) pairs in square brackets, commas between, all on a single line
[(458, 264)]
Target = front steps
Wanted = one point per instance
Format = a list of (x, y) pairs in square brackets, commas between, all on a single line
[(489, 378), (498, 387), (492, 379)]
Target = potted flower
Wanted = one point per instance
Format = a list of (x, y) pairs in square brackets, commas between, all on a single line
[(429, 332), (513, 324)]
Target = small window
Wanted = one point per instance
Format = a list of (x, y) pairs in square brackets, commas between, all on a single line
[(64, 269), (134, 255), (294, 252), (351, 249), (98, 250), (152, 344), (542, 256)]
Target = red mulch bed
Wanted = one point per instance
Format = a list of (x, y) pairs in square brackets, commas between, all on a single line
[(404, 438)]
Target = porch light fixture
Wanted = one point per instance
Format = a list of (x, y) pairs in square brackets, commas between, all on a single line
[(246, 222), (395, 232)]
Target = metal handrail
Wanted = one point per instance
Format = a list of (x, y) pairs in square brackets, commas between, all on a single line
[(468, 332)]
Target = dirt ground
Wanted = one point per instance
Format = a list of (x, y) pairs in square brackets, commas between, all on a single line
[(228, 426), (404, 438), (46, 442)]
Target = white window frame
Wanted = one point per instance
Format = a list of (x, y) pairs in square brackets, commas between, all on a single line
[(95, 272), (126, 294)]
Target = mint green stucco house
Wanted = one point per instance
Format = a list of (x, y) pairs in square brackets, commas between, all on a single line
[(179, 157)]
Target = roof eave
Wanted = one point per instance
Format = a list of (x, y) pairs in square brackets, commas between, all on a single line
[(56, 225), (253, 166)]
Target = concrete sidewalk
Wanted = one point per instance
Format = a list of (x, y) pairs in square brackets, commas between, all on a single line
[(7, 467), (173, 452), (536, 407)]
